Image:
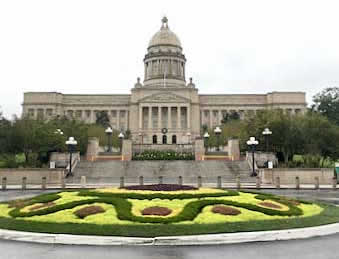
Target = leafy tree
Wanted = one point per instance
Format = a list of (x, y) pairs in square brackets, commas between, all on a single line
[(327, 103), (230, 117), (127, 134), (102, 119), (204, 128)]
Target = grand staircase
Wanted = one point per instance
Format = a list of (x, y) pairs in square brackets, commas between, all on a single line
[(109, 172)]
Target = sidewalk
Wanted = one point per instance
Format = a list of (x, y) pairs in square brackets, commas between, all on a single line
[(209, 185)]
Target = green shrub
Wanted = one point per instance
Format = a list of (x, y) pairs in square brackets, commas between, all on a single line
[(151, 196), (163, 155)]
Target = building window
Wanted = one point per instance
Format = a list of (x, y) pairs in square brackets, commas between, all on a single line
[(155, 139), (31, 112), (174, 139), (78, 114), (297, 111), (122, 114), (70, 113), (49, 112), (88, 114), (164, 139), (114, 114), (40, 113)]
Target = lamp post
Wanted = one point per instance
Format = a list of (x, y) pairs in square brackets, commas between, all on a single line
[(206, 136), (217, 132), (121, 137), (71, 143), (252, 143), (109, 132), (266, 134)]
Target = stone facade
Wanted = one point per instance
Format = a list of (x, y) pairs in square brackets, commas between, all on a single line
[(164, 108)]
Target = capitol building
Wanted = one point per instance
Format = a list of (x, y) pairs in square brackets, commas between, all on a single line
[(164, 108)]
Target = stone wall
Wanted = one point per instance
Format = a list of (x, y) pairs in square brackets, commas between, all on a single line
[(34, 176), (288, 175), (261, 158)]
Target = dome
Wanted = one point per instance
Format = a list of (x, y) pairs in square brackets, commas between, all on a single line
[(165, 36)]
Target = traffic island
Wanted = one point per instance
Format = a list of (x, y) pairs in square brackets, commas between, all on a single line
[(159, 214)]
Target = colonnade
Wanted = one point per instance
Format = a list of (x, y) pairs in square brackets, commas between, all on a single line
[(178, 117)]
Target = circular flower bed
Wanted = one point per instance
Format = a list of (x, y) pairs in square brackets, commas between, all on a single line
[(163, 209), (156, 211), (161, 187), (225, 210)]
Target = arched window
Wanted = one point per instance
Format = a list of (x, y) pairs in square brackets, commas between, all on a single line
[(164, 139), (155, 139), (174, 139)]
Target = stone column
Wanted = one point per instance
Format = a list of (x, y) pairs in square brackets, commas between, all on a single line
[(188, 117), (169, 117), (183, 71), (140, 118), (219, 117), (149, 117), (118, 120), (211, 122), (159, 117), (178, 117)]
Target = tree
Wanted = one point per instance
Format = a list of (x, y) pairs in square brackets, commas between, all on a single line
[(102, 119), (5, 131), (230, 117), (327, 103)]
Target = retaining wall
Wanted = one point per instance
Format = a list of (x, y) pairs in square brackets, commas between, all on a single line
[(288, 175), (34, 176)]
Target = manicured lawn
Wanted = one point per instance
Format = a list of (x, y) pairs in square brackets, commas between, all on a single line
[(121, 212)]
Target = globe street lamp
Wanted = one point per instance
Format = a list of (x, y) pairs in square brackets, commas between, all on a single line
[(58, 131), (252, 143), (206, 136), (109, 132), (121, 137), (217, 132), (266, 134), (71, 143)]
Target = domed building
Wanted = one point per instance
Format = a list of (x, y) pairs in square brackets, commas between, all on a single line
[(164, 108)]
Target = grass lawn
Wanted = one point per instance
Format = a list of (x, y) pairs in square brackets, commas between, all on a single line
[(122, 212)]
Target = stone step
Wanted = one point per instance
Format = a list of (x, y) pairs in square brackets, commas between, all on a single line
[(111, 171)]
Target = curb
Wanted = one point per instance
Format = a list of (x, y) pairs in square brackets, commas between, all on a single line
[(210, 239)]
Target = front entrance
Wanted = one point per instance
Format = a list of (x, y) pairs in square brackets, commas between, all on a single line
[(164, 139), (155, 139)]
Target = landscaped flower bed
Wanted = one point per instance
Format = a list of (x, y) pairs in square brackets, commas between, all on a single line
[(160, 210), (161, 187), (163, 155)]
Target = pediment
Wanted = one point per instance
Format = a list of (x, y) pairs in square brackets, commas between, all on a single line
[(167, 97)]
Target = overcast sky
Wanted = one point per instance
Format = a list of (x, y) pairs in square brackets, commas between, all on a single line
[(231, 46)]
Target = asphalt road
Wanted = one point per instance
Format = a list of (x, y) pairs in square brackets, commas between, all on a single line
[(322, 247)]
